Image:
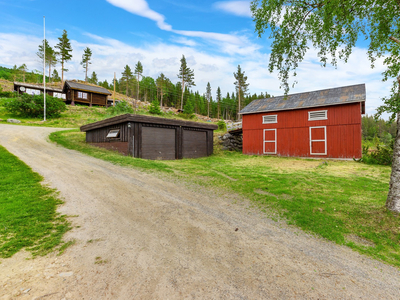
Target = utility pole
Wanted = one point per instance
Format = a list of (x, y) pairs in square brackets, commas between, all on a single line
[(114, 91), (44, 68)]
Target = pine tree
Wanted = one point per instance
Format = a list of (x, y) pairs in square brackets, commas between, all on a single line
[(50, 56), (64, 51), (127, 77), (241, 86), (218, 101), (86, 57), (161, 83), (138, 72), (55, 76), (23, 69), (187, 77)]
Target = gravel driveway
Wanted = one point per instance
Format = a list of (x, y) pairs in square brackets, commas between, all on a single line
[(140, 237)]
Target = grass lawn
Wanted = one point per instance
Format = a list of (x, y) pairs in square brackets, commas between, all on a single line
[(342, 201), (28, 217)]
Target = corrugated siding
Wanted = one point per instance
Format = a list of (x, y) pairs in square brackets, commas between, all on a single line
[(343, 128)]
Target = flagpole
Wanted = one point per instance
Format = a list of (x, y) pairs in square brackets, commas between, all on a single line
[(44, 67)]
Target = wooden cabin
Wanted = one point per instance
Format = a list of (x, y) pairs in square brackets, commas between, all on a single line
[(35, 89), (152, 137), (324, 124), (77, 92)]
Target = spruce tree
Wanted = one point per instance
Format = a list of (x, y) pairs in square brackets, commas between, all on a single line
[(86, 57), (208, 97), (241, 87), (218, 101), (138, 72), (64, 51), (187, 77)]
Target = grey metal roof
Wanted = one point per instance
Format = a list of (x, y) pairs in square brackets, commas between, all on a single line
[(86, 87), (334, 96)]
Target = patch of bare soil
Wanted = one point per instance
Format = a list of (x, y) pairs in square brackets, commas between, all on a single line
[(140, 237)]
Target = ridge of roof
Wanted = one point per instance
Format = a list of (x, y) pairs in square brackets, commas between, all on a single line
[(325, 97)]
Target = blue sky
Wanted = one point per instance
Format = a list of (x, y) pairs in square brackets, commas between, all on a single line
[(214, 36)]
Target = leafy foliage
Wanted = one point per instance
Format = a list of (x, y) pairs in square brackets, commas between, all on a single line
[(33, 106), (186, 75)]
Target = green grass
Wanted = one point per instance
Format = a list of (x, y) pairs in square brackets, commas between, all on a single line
[(28, 217), (342, 201)]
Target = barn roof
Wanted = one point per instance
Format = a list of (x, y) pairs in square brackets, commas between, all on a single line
[(334, 96), (85, 87), (146, 119)]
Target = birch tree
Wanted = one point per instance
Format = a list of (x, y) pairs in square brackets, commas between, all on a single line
[(333, 28)]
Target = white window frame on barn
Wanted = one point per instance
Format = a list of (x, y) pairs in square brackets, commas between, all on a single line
[(324, 140), (317, 115), (270, 119), (269, 141), (82, 95)]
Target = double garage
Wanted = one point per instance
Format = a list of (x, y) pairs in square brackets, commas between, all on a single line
[(151, 137)]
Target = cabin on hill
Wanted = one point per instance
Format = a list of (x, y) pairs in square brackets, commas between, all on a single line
[(35, 89), (323, 124), (152, 137), (77, 92)]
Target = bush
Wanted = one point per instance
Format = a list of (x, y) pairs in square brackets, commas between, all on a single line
[(155, 108), (382, 156), (120, 108), (8, 94), (221, 125), (32, 106)]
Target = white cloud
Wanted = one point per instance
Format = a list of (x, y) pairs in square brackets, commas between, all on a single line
[(229, 43), (184, 41), (111, 55), (141, 8), (237, 8)]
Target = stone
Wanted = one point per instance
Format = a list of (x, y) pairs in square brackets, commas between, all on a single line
[(13, 121), (66, 274)]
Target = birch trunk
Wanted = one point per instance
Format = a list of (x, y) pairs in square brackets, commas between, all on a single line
[(393, 199)]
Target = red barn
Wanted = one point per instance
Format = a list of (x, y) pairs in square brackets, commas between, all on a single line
[(325, 123)]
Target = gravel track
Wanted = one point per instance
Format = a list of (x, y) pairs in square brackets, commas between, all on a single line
[(141, 237)]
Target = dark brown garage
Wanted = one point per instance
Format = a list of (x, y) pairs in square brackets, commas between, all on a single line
[(152, 137)]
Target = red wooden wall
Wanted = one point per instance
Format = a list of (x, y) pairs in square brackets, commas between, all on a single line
[(343, 132)]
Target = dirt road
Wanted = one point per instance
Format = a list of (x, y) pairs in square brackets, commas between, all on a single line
[(140, 237)]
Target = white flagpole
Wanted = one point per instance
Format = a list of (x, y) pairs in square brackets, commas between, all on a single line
[(44, 67)]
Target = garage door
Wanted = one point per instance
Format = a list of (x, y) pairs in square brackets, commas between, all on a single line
[(194, 144), (158, 143)]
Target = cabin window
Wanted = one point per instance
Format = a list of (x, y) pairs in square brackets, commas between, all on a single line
[(317, 115), (270, 119), (82, 95), (59, 95), (113, 133)]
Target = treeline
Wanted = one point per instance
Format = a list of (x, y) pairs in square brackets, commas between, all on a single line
[(378, 131)]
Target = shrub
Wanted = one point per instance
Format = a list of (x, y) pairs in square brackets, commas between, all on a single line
[(155, 108), (120, 108), (32, 106), (8, 94), (382, 156), (221, 125)]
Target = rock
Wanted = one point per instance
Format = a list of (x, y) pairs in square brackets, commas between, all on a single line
[(13, 121), (66, 274)]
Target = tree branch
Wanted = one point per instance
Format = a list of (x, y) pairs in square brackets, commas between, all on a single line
[(394, 39)]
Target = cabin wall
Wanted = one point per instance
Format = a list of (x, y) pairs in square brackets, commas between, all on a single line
[(290, 136)]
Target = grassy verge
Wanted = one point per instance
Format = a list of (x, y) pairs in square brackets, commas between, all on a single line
[(342, 201), (28, 217)]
